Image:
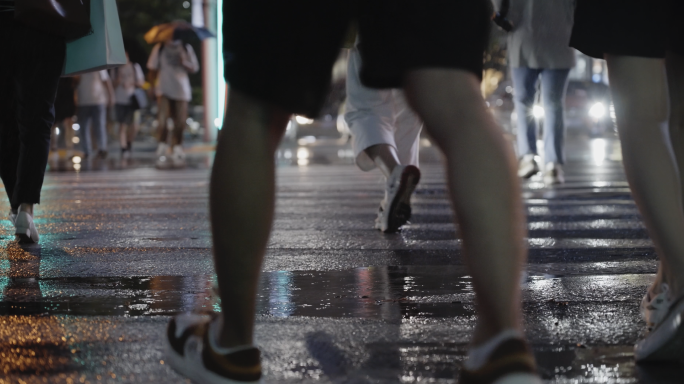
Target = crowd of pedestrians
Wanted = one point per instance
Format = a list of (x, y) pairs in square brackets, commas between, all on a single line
[(414, 62)]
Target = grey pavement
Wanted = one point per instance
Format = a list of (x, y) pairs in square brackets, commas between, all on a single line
[(126, 247)]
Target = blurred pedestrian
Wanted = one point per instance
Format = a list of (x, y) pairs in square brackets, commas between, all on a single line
[(95, 93), (538, 49), (171, 63), (646, 71), (276, 68), (125, 80), (30, 68), (385, 134), (65, 110)]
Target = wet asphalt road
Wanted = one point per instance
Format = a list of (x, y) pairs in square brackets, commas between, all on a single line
[(123, 250)]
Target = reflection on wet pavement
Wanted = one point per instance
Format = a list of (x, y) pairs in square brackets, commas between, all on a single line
[(338, 302)]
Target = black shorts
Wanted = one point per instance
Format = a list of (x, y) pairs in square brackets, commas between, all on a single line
[(628, 27), (123, 113), (282, 51)]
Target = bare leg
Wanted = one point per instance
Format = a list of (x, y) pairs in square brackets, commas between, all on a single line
[(242, 195), (123, 135), (484, 190), (675, 78), (385, 158), (640, 92)]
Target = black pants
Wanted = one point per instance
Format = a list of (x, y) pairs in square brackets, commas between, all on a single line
[(30, 67)]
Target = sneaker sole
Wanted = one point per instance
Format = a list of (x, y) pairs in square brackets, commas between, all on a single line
[(672, 348), (519, 378), (24, 236), (400, 209)]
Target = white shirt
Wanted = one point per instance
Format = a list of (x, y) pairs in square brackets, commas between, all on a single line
[(173, 81), (541, 34), (128, 77), (92, 89)]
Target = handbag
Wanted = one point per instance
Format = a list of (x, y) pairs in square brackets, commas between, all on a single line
[(101, 49), (66, 18), (139, 99)]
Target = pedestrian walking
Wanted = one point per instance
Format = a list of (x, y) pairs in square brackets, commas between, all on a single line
[(171, 62), (125, 80), (642, 88), (385, 134), (30, 68), (65, 110), (538, 50), (276, 68), (94, 93)]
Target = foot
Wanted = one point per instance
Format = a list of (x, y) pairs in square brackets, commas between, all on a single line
[(12, 216), (125, 153), (189, 351), (665, 340), (102, 154), (527, 166), (178, 157), (162, 149), (511, 362), (25, 230), (395, 209), (553, 174)]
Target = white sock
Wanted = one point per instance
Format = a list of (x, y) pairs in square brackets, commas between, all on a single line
[(214, 331), (478, 356)]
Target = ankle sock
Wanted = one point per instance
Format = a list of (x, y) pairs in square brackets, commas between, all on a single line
[(478, 356), (214, 331)]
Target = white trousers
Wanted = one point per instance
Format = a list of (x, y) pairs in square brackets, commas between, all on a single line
[(379, 117)]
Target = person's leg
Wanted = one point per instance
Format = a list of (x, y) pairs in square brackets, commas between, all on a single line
[(100, 127), (675, 78), (9, 136), (68, 124), (554, 83), (123, 135), (179, 121), (164, 106), (640, 93), (84, 114), (407, 133), (241, 217), (482, 187), (525, 86), (370, 114), (385, 158)]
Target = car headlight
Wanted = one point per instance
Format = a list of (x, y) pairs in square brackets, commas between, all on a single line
[(598, 110)]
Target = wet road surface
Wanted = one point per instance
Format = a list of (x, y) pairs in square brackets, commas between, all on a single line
[(123, 250)]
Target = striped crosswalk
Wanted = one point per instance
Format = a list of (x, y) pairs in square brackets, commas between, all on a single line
[(338, 301)]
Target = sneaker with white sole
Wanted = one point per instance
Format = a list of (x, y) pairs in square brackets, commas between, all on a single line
[(665, 340), (189, 352), (395, 209), (511, 362), (25, 230), (553, 174), (527, 166), (178, 156)]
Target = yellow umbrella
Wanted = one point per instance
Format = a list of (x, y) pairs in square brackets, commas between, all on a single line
[(175, 30)]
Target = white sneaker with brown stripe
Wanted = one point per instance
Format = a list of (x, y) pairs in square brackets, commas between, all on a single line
[(189, 352), (511, 362)]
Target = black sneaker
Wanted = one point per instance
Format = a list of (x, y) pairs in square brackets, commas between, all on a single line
[(189, 352)]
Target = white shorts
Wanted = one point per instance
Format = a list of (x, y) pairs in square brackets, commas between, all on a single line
[(379, 117)]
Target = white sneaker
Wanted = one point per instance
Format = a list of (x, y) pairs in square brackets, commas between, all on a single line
[(553, 174), (395, 209), (665, 341), (189, 351), (655, 309), (527, 167), (178, 157), (162, 149), (25, 230), (163, 158), (12, 216)]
